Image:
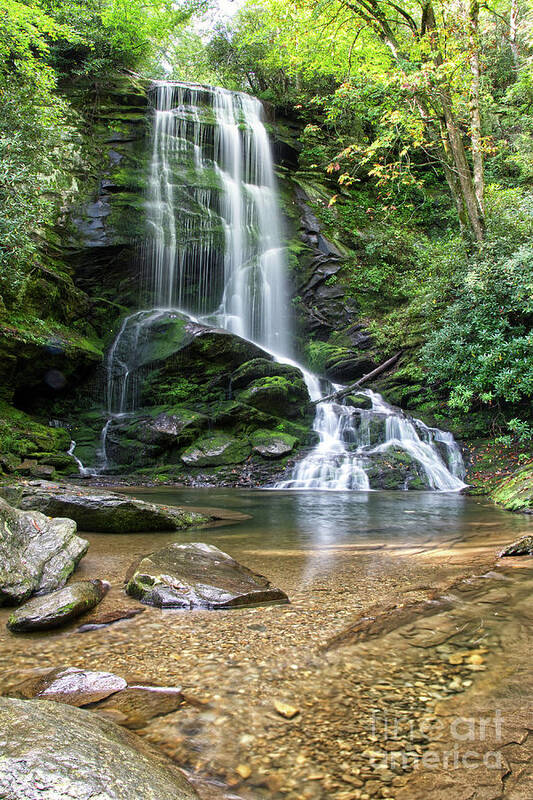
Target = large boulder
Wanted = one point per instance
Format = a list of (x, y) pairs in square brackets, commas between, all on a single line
[(394, 468), (278, 395), (101, 511), (346, 366), (262, 368), (216, 450), (37, 554), (273, 444), (170, 428), (199, 575), (53, 752), (57, 608)]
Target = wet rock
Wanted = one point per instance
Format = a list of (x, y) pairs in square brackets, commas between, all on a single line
[(167, 429), (76, 687), (57, 608), (59, 751), (139, 704), (262, 368), (37, 554), (395, 469), (348, 366), (359, 401), (522, 547), (216, 450), (101, 511), (271, 444), (108, 618), (279, 396), (199, 575)]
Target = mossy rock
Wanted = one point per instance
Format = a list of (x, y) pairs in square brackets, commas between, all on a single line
[(272, 444), (262, 368), (516, 492), (23, 436), (216, 450), (279, 396), (176, 426), (395, 469), (361, 401)]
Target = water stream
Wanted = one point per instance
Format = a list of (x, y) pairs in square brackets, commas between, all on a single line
[(216, 254)]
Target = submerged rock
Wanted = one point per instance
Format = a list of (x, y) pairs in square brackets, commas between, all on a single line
[(271, 444), (522, 547), (37, 554), (76, 687), (109, 617), (131, 705), (198, 575), (101, 511), (58, 751), (57, 608), (137, 704)]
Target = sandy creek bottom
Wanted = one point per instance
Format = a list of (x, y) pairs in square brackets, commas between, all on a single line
[(425, 700)]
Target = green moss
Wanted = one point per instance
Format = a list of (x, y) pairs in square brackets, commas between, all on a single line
[(215, 450), (515, 493), (23, 436)]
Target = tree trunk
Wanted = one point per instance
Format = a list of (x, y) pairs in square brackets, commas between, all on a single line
[(513, 28), (475, 104)]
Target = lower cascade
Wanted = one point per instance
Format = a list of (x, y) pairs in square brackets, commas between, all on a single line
[(352, 439), (215, 256)]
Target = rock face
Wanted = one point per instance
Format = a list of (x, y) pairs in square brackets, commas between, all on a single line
[(100, 511), (37, 554), (202, 393), (522, 547), (57, 608), (199, 576), (54, 751)]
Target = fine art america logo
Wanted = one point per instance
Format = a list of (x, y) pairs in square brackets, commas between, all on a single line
[(461, 738)]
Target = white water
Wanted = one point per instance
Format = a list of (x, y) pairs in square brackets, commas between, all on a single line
[(221, 135)]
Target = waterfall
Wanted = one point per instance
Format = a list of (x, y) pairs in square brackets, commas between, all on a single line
[(232, 148), (211, 190), (346, 452), (215, 254)]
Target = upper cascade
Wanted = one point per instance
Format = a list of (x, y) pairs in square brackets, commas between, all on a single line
[(212, 194)]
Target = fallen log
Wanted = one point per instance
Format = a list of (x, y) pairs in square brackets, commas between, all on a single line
[(348, 389)]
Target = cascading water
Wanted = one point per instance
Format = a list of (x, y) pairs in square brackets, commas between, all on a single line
[(346, 450), (215, 254), (249, 297)]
